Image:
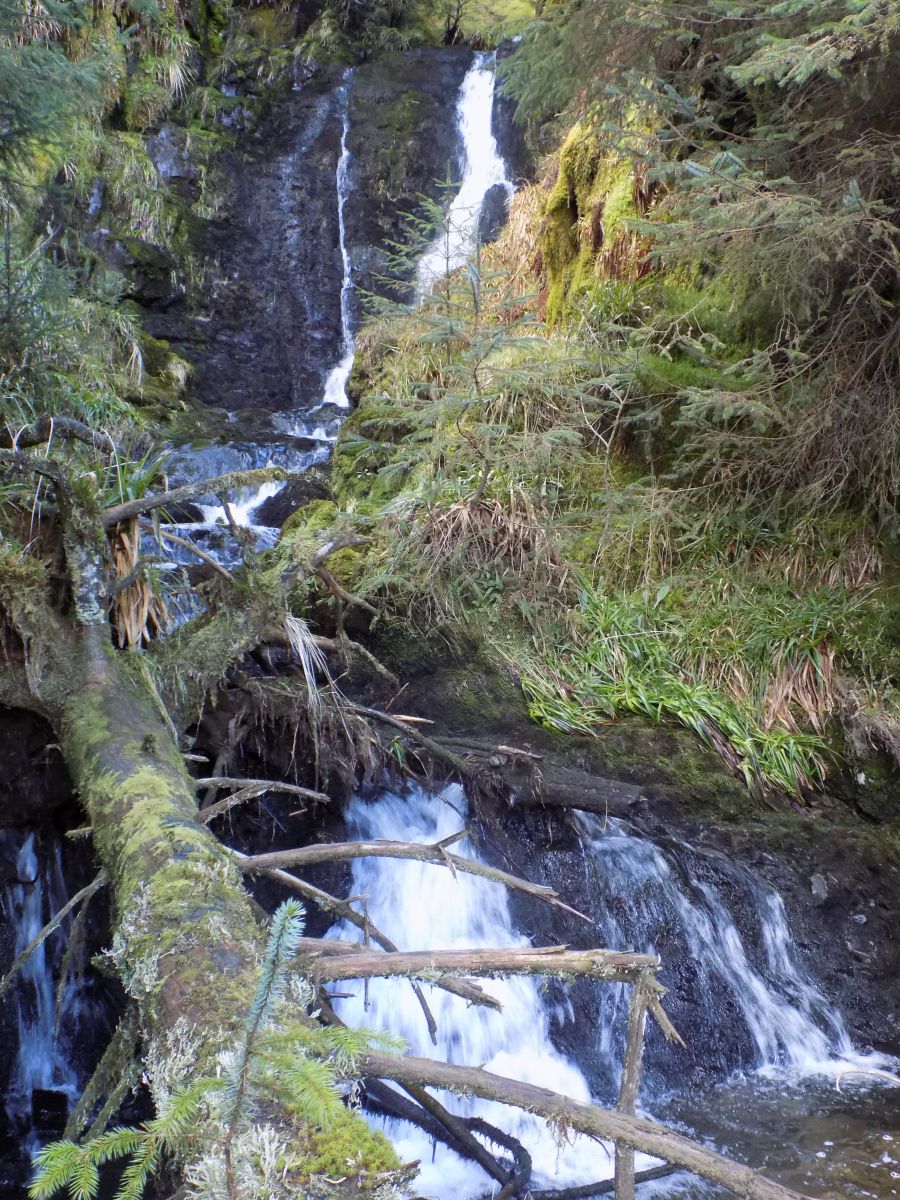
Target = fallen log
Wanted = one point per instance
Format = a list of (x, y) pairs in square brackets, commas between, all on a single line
[(603, 1187), (567, 1114), (420, 852), (610, 965)]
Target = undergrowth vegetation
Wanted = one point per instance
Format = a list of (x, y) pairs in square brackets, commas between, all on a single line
[(649, 440)]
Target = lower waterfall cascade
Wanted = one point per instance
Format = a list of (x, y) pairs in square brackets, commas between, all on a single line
[(794, 1034)]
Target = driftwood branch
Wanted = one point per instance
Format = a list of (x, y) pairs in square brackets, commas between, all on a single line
[(190, 491), (53, 924), (46, 428), (249, 789), (466, 989), (643, 1135), (438, 854), (603, 1187), (611, 965), (630, 1084)]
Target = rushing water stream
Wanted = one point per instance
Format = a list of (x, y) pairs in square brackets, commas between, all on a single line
[(792, 1041)]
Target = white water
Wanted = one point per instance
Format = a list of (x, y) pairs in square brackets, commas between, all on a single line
[(672, 900), (484, 168), (336, 384), (424, 907), (644, 898), (27, 906)]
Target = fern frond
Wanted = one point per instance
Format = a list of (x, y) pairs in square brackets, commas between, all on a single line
[(305, 1086), (56, 1167)]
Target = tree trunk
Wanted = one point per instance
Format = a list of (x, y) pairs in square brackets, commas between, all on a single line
[(187, 946)]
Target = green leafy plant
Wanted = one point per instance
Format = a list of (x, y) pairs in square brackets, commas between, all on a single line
[(278, 1058)]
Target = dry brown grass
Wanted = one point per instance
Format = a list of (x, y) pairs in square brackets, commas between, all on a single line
[(139, 612)]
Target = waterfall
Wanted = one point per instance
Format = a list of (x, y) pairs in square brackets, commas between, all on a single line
[(425, 907), (484, 168), (670, 899), (336, 384), (644, 897), (41, 1065)]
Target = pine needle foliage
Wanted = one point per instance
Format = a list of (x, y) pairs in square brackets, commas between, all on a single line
[(288, 1062)]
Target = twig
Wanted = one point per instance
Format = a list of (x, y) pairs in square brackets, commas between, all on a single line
[(344, 851), (248, 789), (188, 545), (52, 924)]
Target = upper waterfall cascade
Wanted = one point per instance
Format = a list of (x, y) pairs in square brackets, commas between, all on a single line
[(484, 168), (336, 384)]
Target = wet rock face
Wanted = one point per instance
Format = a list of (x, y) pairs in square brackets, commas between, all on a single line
[(494, 211), (35, 779), (403, 142), (263, 330), (508, 133)]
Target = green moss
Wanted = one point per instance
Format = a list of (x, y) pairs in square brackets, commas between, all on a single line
[(347, 1149), (586, 214)]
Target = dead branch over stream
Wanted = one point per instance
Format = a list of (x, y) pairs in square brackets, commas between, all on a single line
[(438, 854), (611, 966), (565, 1113)]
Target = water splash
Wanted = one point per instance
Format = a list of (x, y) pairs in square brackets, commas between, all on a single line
[(425, 907), (484, 169), (674, 900)]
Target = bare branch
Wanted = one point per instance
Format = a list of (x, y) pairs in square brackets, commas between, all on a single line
[(470, 992), (438, 854), (190, 491), (249, 789), (613, 966), (459, 765), (46, 428), (188, 545), (643, 1135), (346, 541), (603, 1187), (52, 924)]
